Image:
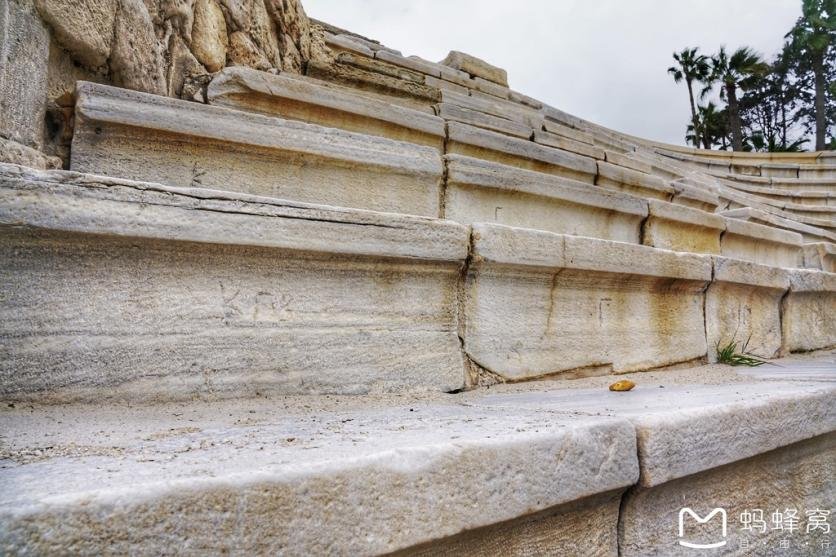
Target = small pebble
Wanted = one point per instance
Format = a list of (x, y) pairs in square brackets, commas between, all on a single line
[(623, 385)]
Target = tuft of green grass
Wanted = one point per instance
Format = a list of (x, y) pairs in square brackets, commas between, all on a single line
[(728, 354)]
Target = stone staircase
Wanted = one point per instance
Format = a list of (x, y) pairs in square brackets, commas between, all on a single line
[(374, 308)]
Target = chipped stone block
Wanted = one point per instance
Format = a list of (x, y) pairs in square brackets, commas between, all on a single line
[(146, 137), (495, 107), (792, 477), (489, 88), (410, 62), (627, 161), (566, 131), (762, 244), (540, 303), (679, 228), (479, 143), (586, 527), (392, 83), (24, 51), (15, 153), (809, 316), (525, 99), (444, 84), (743, 305), (348, 43), (308, 100), (482, 191), (809, 234), (683, 430), (360, 481), (631, 181), (457, 113), (566, 144), (695, 197), (136, 290), (821, 255), (475, 67)]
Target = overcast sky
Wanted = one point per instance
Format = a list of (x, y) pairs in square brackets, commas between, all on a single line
[(603, 60)]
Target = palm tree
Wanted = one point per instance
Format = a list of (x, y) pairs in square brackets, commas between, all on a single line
[(691, 66), (741, 70), (714, 126), (814, 40)]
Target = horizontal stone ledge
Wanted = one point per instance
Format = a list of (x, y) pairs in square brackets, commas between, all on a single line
[(681, 228), (808, 233), (146, 137), (475, 67), (349, 43), (535, 248), (476, 142), (568, 132), (820, 255), (312, 101), (567, 144), (632, 181), (809, 319), (696, 197), (484, 120), (539, 304), (149, 293), (687, 429), (743, 306), (483, 191), (626, 161), (349, 482), (413, 63), (495, 107), (75, 202)]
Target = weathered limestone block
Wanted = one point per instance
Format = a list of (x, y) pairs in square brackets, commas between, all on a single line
[(679, 228), (475, 67), (15, 153), (821, 255), (686, 429), (566, 144), (209, 36), (479, 143), (695, 197), (413, 63), (743, 305), (489, 88), (136, 58), (762, 244), (483, 191), (312, 101), (793, 477), (345, 482), (244, 52), (588, 527), (779, 170), (456, 113), (495, 107), (396, 84), (809, 234), (83, 27), (24, 51), (136, 290), (627, 161), (631, 181), (809, 316), (539, 303), (568, 132), (146, 137)]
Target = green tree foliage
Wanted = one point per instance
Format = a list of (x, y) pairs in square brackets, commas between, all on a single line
[(768, 106)]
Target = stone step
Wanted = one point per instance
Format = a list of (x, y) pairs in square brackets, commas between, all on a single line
[(546, 468), (808, 233), (142, 291), (138, 136), (476, 142), (316, 102), (820, 255), (539, 303)]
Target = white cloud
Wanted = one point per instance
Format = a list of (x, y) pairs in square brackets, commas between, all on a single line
[(603, 60)]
